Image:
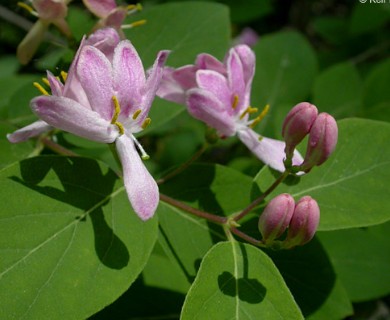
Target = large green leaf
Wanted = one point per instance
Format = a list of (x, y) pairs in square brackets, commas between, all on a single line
[(361, 258), (239, 281), (338, 91), (70, 242), (351, 187), (309, 275), (187, 29)]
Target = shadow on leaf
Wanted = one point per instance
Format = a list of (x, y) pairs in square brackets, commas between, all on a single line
[(82, 184)]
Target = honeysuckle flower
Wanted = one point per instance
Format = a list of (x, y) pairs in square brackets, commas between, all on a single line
[(105, 40), (112, 15), (48, 12), (247, 36), (108, 100), (218, 93)]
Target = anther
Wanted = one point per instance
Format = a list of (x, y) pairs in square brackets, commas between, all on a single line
[(260, 117), (146, 123), (248, 110), (136, 114), (28, 8), (41, 89), (134, 24), (131, 8), (46, 81), (64, 75), (235, 101)]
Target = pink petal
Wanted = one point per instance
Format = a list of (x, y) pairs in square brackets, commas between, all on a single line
[(106, 40), (56, 86), (141, 188), (100, 8), (208, 62), (204, 106), (248, 61), (269, 151), (185, 76), (235, 75), (50, 9), (217, 84), (69, 115), (32, 130), (169, 89), (95, 73), (129, 77)]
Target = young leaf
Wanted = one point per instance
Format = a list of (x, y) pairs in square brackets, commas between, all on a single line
[(239, 281), (351, 187), (67, 228)]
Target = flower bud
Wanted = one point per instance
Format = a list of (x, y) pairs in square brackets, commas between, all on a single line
[(276, 217), (304, 222), (297, 125), (322, 141)]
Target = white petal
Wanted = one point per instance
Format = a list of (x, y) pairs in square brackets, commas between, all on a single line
[(32, 130), (141, 188), (269, 151)]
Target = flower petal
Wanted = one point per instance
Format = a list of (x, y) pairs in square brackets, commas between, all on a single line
[(141, 188), (69, 115), (204, 106), (269, 151), (105, 39), (95, 73), (208, 62), (100, 8), (235, 75), (248, 61), (32, 130), (216, 83)]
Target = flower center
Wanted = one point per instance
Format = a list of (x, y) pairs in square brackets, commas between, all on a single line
[(249, 110)]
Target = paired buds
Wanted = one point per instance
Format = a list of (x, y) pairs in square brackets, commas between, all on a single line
[(322, 129), (300, 219)]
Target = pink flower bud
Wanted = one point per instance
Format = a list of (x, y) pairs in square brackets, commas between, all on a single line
[(297, 125), (322, 141), (304, 222), (276, 216)]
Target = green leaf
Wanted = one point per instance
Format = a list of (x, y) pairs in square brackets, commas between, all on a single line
[(239, 281), (12, 152), (351, 187), (338, 90), (309, 275), (187, 29), (67, 228), (361, 258), (376, 91), (281, 59), (367, 17)]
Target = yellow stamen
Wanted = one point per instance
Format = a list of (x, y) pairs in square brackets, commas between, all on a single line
[(260, 138), (64, 75), (235, 101), (46, 81), (248, 110), (259, 117), (134, 24), (145, 157), (146, 123), (134, 7), (136, 114), (28, 8), (117, 110), (41, 89)]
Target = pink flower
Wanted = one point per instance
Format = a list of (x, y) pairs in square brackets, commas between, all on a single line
[(219, 94), (48, 12), (112, 15), (107, 99)]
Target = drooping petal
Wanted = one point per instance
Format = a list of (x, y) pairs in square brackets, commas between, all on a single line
[(235, 74), (204, 106), (69, 115), (217, 84), (95, 73), (141, 188), (115, 18), (32, 130), (129, 77), (269, 151), (169, 89), (100, 8)]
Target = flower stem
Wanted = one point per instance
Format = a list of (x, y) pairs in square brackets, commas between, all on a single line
[(202, 214), (242, 235), (47, 142), (184, 166), (249, 208)]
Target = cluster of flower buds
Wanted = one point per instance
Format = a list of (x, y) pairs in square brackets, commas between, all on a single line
[(300, 219), (303, 120)]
